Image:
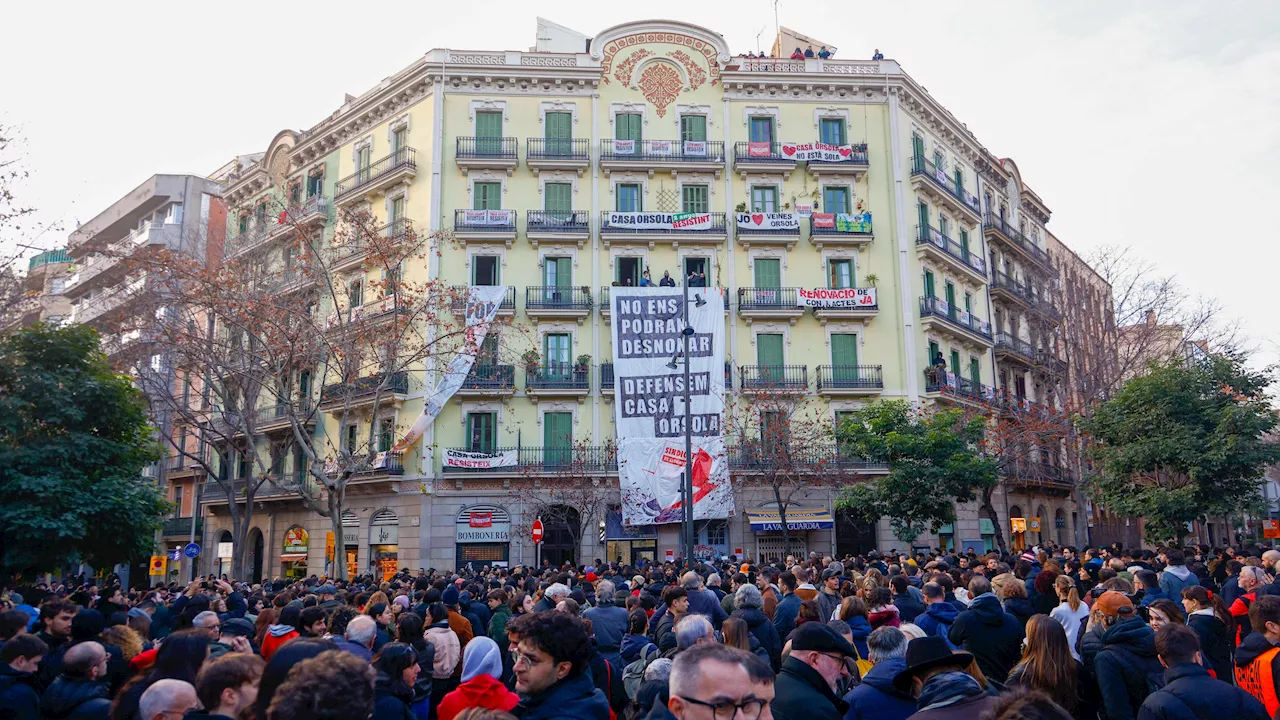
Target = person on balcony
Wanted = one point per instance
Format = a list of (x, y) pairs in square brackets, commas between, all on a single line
[(824, 53), (797, 55), (808, 52), (878, 55), (667, 280), (645, 280)]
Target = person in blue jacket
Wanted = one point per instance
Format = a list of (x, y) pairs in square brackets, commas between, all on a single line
[(1189, 692), (876, 698)]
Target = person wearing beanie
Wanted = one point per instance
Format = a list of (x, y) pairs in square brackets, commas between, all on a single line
[(459, 624), (481, 682)]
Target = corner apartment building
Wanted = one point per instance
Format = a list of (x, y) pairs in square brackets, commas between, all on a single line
[(180, 213), (519, 158), (41, 292)]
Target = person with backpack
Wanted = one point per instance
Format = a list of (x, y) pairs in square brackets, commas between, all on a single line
[(1189, 693), (1258, 657), (1126, 669), (938, 615)]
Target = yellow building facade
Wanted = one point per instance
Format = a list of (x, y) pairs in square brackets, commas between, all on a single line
[(517, 162)]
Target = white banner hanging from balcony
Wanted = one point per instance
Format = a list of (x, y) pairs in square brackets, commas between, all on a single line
[(661, 147), (696, 148), (660, 221), (768, 221), (488, 217), (483, 302), (650, 413), (479, 460), (836, 299), (817, 151), (624, 147)]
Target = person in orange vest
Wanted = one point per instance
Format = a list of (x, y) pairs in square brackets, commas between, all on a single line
[(1258, 657)]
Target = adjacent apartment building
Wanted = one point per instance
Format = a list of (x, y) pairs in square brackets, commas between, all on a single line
[(515, 161)]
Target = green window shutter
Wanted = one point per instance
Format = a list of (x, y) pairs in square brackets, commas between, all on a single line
[(558, 129), (557, 429), (928, 284), (629, 198), (968, 302), (627, 126), (840, 274), (555, 348), (558, 198), (762, 129), (944, 225), (938, 160), (975, 371), (917, 152), (362, 158), (694, 198), (558, 271), (959, 180), (835, 200), (769, 350), (768, 273), (955, 362), (922, 215), (487, 196), (397, 209), (489, 124), (964, 243), (951, 297), (488, 353), (399, 140), (933, 351), (831, 131), (386, 434), (844, 356), (693, 127), (764, 199)]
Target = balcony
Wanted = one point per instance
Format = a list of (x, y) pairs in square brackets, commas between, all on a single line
[(1043, 306), (214, 492), (930, 242), (781, 379), (90, 309), (336, 396), (606, 379), (181, 527), (756, 456), (557, 154), (304, 215), (279, 416), (855, 164), (489, 380), (769, 304), (1014, 349), (1001, 230), (762, 157), (942, 385), (253, 237), (557, 302), (840, 229), (557, 380), (850, 380), (458, 301), (1009, 289), (864, 305), (352, 253), (933, 182), (484, 153), (939, 315), (674, 156), (1037, 476), (749, 232), (369, 182), (557, 226), (485, 226), (289, 280), (653, 227), (383, 464), (1050, 362), (576, 460)]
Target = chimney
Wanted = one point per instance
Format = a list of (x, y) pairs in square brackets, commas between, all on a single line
[(1151, 318)]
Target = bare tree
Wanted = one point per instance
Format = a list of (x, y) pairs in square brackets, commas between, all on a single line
[(570, 486)]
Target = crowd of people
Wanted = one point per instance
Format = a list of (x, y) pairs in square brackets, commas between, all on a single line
[(1048, 633)]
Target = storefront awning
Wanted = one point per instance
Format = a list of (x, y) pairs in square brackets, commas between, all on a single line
[(798, 518), (290, 557)]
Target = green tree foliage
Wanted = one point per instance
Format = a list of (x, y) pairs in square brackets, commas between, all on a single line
[(1183, 442), (934, 461), (74, 439)]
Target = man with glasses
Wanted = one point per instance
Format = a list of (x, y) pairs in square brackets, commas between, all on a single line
[(716, 682), (820, 659), (167, 699), (551, 669), (79, 690)]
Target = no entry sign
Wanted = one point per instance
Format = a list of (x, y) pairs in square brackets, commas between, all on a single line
[(537, 531)]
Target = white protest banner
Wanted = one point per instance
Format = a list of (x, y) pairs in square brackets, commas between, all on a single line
[(659, 221), (660, 147), (488, 217), (963, 315), (483, 302), (624, 147), (834, 299), (695, 147), (942, 306), (650, 414), (804, 209), (479, 460), (817, 151), (768, 221)]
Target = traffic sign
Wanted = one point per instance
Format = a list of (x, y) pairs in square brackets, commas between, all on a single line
[(1271, 529), (174, 554), (157, 565), (192, 550), (537, 531)]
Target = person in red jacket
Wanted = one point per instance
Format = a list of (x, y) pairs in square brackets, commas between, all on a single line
[(281, 632), (481, 682)]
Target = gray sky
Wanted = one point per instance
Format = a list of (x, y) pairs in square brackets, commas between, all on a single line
[(1147, 124)]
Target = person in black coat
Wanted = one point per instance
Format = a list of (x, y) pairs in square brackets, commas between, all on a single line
[(79, 693), (397, 672), (1189, 693), (908, 607), (1214, 626), (19, 659), (985, 630), (748, 602), (805, 688), (1126, 669)]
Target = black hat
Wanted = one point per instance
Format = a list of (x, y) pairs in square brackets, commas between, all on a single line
[(816, 636), (238, 626), (830, 573), (925, 653)]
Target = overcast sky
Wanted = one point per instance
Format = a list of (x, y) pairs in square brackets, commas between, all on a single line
[(1154, 125)]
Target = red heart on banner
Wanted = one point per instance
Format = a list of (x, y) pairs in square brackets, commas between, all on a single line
[(757, 219), (788, 150), (846, 151)]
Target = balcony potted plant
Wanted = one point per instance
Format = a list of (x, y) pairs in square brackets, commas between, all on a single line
[(741, 207), (532, 358), (582, 364)]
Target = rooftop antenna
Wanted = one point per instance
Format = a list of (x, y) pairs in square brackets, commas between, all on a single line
[(777, 29)]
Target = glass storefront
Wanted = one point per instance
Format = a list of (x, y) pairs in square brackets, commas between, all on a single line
[(384, 548), (483, 537)]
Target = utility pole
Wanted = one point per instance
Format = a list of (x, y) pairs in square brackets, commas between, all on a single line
[(687, 490)]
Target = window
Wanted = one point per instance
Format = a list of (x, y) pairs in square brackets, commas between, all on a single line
[(396, 212), (556, 349), (762, 129), (558, 129), (177, 501), (484, 270), (295, 194), (835, 199), (628, 271), (480, 431), (693, 127), (694, 198), (922, 216), (363, 157), (844, 351), (487, 196), (840, 274), (928, 284), (627, 126), (390, 278), (831, 131), (917, 152), (399, 141), (557, 437), (488, 352), (386, 433), (964, 244), (968, 302), (934, 351), (557, 271), (355, 293), (944, 225), (488, 133), (951, 297), (315, 184), (769, 355), (558, 201), (260, 214), (768, 272), (773, 430), (629, 198), (764, 199), (955, 363), (938, 162), (695, 265), (959, 175), (304, 384)]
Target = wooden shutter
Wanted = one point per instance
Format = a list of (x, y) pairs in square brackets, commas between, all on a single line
[(768, 272), (558, 198), (559, 133), (694, 198), (693, 127), (627, 126), (769, 350), (487, 196), (844, 356), (929, 286)]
